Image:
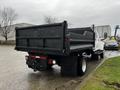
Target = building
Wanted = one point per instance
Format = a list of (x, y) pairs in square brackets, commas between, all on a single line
[(103, 31), (11, 35)]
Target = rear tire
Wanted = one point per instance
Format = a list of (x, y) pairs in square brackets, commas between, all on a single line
[(102, 55), (95, 57), (82, 66)]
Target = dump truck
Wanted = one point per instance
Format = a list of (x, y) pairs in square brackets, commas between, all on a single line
[(51, 44)]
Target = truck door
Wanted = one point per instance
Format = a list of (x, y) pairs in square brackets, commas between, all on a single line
[(99, 45)]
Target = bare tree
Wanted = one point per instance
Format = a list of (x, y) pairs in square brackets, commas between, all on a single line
[(50, 19), (7, 17)]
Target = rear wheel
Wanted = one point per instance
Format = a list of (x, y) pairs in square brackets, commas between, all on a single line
[(102, 55), (82, 66), (96, 57)]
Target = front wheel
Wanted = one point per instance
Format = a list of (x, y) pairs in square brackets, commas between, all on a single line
[(96, 57), (82, 66)]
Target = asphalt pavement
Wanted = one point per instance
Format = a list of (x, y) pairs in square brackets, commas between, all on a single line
[(15, 75)]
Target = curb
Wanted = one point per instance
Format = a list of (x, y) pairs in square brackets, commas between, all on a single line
[(72, 84), (90, 75)]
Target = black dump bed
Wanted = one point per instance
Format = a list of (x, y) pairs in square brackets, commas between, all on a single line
[(81, 38), (54, 39)]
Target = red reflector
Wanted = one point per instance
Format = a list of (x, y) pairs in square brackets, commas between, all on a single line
[(50, 61), (38, 57), (32, 57), (43, 57)]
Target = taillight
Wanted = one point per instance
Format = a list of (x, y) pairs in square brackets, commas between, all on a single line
[(54, 62), (50, 61), (36, 57), (33, 57), (43, 57)]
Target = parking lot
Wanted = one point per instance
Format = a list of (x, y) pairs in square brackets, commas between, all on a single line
[(15, 75)]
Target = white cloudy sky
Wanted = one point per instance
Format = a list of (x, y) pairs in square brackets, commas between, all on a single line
[(76, 12)]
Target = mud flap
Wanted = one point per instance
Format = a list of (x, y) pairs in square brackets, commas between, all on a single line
[(69, 66)]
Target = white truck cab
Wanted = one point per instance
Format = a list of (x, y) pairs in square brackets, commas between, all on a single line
[(99, 44), (98, 51)]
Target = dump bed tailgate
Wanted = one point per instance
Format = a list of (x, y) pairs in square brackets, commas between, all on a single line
[(47, 39)]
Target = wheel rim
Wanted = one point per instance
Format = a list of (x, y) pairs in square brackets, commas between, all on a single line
[(84, 65)]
